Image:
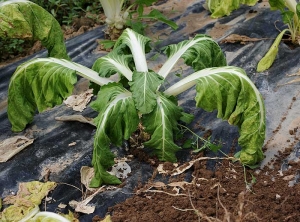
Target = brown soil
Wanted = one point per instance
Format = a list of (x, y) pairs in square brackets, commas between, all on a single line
[(222, 195)]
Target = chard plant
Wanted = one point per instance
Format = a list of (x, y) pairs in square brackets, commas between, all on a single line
[(142, 96), (22, 19), (118, 17), (220, 8), (290, 11)]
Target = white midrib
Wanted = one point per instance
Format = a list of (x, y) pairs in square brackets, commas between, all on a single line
[(166, 68), (163, 123)]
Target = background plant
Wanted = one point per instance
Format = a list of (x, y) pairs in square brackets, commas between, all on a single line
[(121, 14), (290, 12)]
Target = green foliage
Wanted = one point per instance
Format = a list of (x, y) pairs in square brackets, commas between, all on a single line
[(66, 10), (290, 11), (118, 15), (220, 8), (30, 21), (11, 47), (138, 98)]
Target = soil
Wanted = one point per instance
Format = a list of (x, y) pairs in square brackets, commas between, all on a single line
[(225, 194)]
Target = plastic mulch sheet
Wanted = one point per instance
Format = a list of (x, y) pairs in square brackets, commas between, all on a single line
[(51, 150)]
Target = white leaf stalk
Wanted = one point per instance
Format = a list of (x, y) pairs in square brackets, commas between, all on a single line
[(136, 43), (169, 64), (80, 69), (113, 12), (293, 25)]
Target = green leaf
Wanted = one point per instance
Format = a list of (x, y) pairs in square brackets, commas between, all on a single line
[(145, 2), (220, 8), (40, 84), (298, 11), (267, 61), (138, 45), (287, 17), (187, 144), (114, 63), (232, 93), (186, 118), (143, 87), (161, 123), (277, 5), (107, 44), (25, 19), (200, 52), (155, 14), (37, 85), (116, 121), (136, 26)]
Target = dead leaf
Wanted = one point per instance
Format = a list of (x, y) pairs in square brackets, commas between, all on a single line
[(12, 146), (289, 177), (180, 184), (120, 170), (82, 207), (87, 174), (242, 39), (157, 184), (79, 102), (62, 206), (78, 118), (25, 203), (107, 219), (72, 144)]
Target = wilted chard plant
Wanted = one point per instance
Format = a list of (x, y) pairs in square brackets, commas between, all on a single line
[(140, 97)]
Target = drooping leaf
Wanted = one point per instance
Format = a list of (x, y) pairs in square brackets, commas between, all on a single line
[(24, 19), (200, 52), (161, 123), (116, 121), (229, 91), (143, 87), (267, 61), (40, 84), (237, 100)]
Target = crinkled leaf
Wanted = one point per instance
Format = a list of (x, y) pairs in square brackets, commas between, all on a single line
[(200, 52), (161, 123), (37, 85), (117, 120), (232, 93), (267, 61), (220, 8), (40, 84), (143, 87), (25, 19)]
